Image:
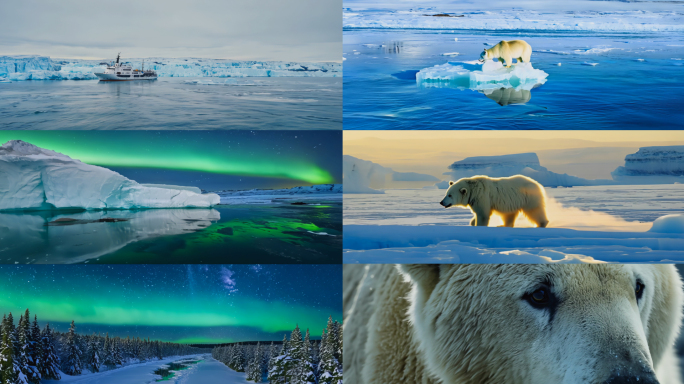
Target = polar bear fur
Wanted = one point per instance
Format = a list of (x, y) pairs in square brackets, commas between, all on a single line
[(504, 196), (506, 51), (475, 324)]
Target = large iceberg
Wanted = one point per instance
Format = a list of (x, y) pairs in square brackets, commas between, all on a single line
[(526, 164), (44, 68), (34, 178), (653, 165), (491, 75), (360, 174)]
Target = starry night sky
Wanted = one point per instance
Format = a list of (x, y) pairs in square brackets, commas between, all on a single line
[(179, 303), (211, 160)]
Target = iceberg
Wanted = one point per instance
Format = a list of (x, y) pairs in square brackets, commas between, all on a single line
[(653, 165), (267, 196), (489, 76), (33, 178), (20, 68), (359, 174), (526, 164)]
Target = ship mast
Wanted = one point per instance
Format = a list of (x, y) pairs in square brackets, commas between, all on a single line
[(117, 57)]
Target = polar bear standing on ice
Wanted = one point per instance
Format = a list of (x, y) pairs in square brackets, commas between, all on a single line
[(511, 324), (505, 196), (506, 51)]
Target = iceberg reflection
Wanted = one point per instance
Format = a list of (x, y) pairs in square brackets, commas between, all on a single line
[(59, 237)]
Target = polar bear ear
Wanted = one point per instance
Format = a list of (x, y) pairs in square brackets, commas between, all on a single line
[(451, 183), (463, 190), (425, 276)]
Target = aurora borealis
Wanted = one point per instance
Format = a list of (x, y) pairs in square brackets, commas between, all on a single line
[(211, 160), (180, 303)]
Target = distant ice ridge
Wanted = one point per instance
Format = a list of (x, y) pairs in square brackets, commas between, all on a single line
[(266, 196), (39, 179), (19, 68), (490, 75), (359, 174), (638, 19), (517, 164), (664, 164)]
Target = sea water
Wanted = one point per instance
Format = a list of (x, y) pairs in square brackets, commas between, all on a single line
[(604, 81), (173, 103)]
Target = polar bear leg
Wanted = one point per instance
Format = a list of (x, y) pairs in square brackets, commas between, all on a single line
[(482, 216), (473, 221), (538, 216), (509, 61), (509, 219)]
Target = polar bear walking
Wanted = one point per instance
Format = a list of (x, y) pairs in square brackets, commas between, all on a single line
[(511, 323), (504, 196), (506, 51)]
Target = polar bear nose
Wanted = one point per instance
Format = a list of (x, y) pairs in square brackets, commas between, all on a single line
[(631, 378)]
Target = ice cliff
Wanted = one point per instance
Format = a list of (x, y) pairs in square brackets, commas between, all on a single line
[(360, 174), (488, 76), (517, 164), (44, 68), (39, 179), (653, 165)]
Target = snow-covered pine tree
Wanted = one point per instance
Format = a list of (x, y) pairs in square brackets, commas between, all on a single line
[(272, 353), (72, 365), (36, 351), (238, 358), (305, 371), (93, 356), (254, 369), (10, 369), (23, 348), (117, 354), (328, 372), (293, 367), (49, 367), (277, 374)]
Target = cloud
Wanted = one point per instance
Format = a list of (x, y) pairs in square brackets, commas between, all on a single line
[(227, 279)]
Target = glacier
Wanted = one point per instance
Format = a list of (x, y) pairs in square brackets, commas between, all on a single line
[(268, 196), (491, 75), (33, 178), (19, 68), (526, 164), (359, 174)]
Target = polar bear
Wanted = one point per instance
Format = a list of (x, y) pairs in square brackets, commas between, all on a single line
[(506, 51), (504, 196), (511, 323)]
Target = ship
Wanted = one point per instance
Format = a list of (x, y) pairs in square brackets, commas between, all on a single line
[(124, 72)]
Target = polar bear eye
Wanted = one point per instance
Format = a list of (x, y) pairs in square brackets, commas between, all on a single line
[(639, 290), (540, 297)]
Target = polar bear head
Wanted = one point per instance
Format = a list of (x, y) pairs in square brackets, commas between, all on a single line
[(460, 193), (566, 324)]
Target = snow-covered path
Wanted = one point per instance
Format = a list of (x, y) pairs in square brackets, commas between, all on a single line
[(209, 371)]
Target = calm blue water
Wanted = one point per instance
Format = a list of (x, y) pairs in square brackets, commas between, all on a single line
[(171, 103), (380, 91)]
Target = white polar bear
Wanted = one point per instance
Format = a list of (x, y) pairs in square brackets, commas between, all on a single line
[(504, 196), (511, 323), (506, 51)]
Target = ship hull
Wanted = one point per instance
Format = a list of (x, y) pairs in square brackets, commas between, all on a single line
[(112, 77)]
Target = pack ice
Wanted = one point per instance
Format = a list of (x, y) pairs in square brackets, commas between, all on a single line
[(490, 75), (40, 179)]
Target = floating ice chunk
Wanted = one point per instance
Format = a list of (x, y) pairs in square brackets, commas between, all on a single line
[(640, 60), (450, 54), (39, 179), (491, 75), (590, 64), (455, 38), (559, 64), (668, 224)]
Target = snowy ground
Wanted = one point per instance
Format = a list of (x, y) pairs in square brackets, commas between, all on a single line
[(606, 223), (206, 371)]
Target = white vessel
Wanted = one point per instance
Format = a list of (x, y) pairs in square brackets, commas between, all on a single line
[(124, 72)]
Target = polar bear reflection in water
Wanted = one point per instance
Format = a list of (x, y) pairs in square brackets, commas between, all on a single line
[(511, 324), (506, 197)]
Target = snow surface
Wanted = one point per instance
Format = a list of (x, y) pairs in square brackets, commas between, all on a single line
[(88, 237), (207, 371), (41, 179), (267, 196), (488, 76), (595, 16), (359, 174), (669, 224), (20, 68)]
